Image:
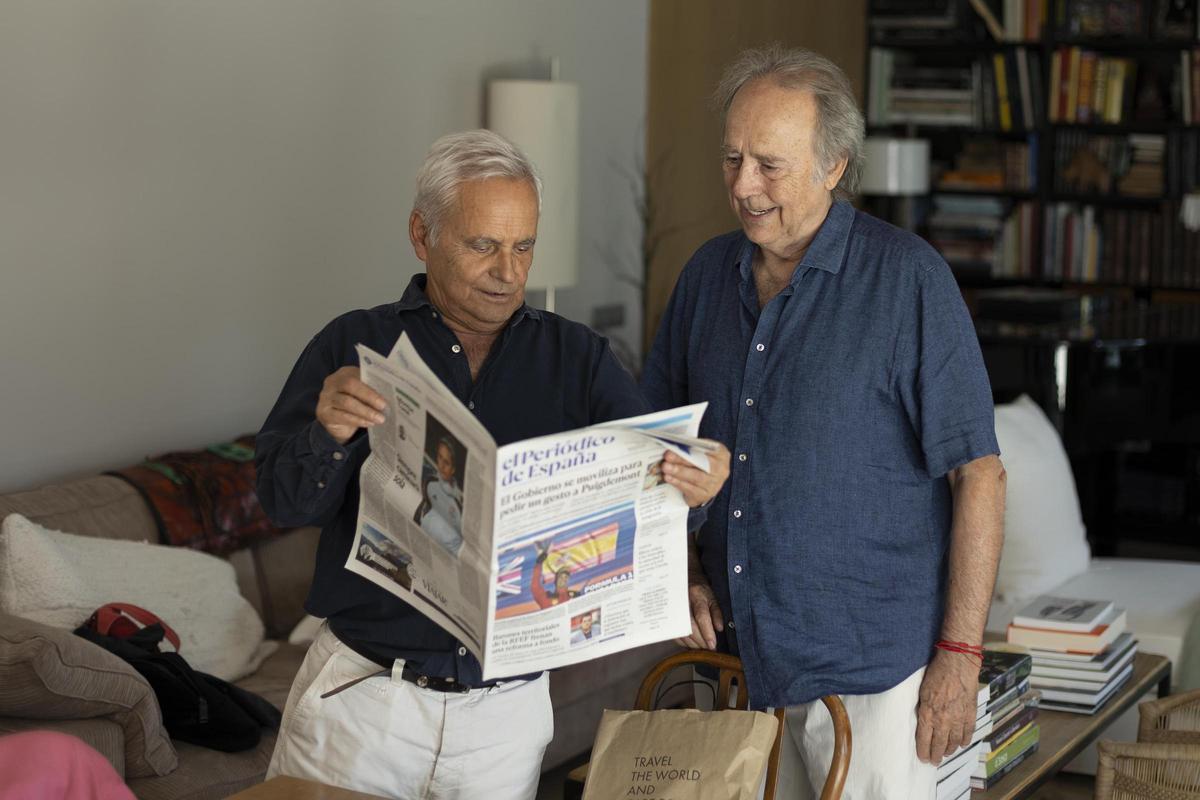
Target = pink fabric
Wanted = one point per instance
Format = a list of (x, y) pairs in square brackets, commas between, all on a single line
[(54, 766)]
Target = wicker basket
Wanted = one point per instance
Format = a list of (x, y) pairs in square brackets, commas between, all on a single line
[(1148, 772)]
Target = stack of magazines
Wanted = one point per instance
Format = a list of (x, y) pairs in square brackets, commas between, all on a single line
[(1006, 721), (1081, 652)]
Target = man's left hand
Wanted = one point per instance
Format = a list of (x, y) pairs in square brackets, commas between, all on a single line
[(946, 711), (698, 486)]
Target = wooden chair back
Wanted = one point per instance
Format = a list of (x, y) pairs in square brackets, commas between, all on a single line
[(731, 693)]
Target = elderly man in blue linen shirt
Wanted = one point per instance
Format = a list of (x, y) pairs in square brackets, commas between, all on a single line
[(387, 702), (862, 522)]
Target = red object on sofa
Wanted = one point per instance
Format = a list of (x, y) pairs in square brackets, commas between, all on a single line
[(125, 619), (203, 499)]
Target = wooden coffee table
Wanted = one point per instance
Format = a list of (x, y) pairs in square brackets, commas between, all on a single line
[(1063, 736), (285, 788)]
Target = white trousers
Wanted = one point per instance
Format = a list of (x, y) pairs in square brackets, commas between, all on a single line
[(388, 737), (883, 757)]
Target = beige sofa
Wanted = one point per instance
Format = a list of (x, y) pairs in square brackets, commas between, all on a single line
[(274, 577)]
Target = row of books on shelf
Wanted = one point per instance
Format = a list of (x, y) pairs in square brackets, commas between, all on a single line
[(1006, 727), (992, 237), (992, 165), (1090, 87), (1146, 165), (1003, 91), (1081, 653), (1189, 85), (1024, 20), (1131, 19), (1083, 244), (985, 235), (1130, 165)]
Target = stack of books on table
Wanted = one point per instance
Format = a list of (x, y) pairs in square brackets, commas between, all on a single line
[(1081, 652), (1004, 694), (1015, 732)]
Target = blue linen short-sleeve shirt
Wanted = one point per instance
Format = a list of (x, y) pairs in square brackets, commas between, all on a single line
[(844, 401)]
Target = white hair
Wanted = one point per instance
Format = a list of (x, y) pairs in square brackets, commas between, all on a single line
[(840, 125), (468, 156)]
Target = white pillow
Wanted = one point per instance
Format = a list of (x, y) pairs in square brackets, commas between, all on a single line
[(1045, 540), (59, 579)]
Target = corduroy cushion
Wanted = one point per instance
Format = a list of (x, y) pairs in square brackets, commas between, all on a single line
[(48, 673)]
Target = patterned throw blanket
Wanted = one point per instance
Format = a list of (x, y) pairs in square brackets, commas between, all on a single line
[(203, 499)]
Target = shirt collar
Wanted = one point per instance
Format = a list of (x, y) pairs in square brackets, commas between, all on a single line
[(414, 298), (827, 251)]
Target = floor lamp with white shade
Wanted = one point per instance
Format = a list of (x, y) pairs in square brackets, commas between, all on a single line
[(542, 118)]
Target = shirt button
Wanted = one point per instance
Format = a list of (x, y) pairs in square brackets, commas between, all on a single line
[(320, 484), (462, 651), (435, 315), (737, 513), (760, 347), (338, 456), (456, 349), (749, 401), (730, 624), (741, 456), (471, 404), (737, 568)]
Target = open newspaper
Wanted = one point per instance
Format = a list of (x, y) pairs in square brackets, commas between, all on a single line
[(535, 555)]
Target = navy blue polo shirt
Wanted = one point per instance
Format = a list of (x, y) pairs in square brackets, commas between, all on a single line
[(844, 402), (544, 375)]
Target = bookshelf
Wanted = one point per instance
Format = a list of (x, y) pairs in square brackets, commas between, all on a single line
[(1064, 142), (1064, 135)]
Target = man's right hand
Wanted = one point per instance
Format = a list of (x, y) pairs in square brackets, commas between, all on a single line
[(706, 616), (347, 404)]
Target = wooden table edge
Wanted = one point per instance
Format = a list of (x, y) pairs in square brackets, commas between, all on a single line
[(1027, 777)]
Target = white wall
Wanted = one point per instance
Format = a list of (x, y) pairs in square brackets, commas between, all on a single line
[(189, 191)]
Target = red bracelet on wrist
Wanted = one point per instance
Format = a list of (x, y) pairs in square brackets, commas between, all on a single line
[(973, 650)]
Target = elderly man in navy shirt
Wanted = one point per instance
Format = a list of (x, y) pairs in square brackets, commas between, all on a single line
[(855, 548), (386, 701)]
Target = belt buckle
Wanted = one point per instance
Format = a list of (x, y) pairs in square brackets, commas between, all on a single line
[(441, 684)]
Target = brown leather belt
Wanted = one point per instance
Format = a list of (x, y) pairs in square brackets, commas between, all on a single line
[(431, 682)]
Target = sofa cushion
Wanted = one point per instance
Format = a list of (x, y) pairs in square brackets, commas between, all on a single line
[(273, 679), (1044, 537), (51, 674), (101, 506), (60, 579), (205, 774)]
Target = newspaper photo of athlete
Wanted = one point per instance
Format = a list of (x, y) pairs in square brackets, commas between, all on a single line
[(440, 511), (550, 568)]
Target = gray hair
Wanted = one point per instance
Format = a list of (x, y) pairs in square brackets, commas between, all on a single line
[(457, 158), (840, 126)]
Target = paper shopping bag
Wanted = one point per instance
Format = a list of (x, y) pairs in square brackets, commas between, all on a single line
[(680, 754)]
